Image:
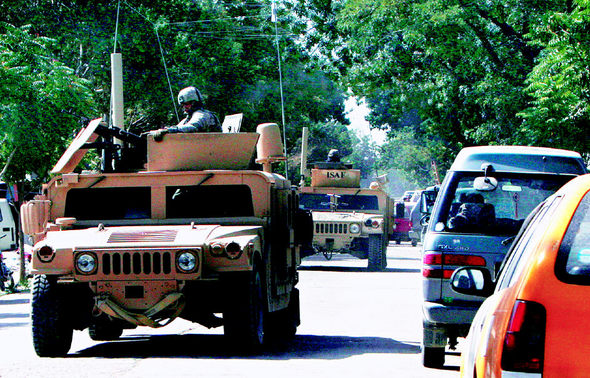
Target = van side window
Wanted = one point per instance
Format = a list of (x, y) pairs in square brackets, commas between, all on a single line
[(573, 259)]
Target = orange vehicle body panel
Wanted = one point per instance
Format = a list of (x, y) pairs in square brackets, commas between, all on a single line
[(567, 349)]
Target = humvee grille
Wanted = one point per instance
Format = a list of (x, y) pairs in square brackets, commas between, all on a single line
[(143, 236), (331, 228), (125, 263)]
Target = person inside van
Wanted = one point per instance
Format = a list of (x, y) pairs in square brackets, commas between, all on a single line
[(473, 214)]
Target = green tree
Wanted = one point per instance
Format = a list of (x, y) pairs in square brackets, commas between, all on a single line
[(458, 67), (226, 49), (41, 102), (559, 84)]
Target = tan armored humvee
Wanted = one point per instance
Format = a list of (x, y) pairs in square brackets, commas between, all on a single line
[(195, 233), (347, 218)]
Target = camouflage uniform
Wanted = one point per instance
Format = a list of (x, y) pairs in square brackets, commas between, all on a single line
[(197, 119), (200, 120)]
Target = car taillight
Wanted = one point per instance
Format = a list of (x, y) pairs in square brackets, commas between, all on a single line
[(524, 342), (448, 259)]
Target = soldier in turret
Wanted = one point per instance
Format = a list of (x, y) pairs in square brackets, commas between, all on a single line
[(333, 156), (197, 118)]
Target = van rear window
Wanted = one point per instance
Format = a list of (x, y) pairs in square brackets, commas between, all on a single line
[(499, 210), (573, 259)]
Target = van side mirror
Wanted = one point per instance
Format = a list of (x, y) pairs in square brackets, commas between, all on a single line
[(424, 208), (473, 281)]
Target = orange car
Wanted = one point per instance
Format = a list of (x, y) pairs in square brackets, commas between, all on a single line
[(535, 321)]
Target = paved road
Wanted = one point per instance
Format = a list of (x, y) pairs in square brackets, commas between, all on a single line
[(354, 324)]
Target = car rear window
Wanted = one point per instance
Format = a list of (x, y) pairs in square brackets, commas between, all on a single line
[(573, 259)]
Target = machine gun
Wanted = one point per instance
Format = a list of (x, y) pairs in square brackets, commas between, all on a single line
[(119, 157)]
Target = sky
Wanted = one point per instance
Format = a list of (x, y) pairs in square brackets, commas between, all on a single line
[(356, 112)]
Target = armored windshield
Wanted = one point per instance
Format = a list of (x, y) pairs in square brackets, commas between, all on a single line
[(209, 201), (198, 201), (500, 209), (340, 202), (108, 203)]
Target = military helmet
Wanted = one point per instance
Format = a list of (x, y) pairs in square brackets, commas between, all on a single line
[(189, 94), (334, 155)]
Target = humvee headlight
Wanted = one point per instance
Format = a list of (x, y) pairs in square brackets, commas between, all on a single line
[(86, 263), (373, 223), (187, 261), (233, 250), (355, 228), (46, 253)]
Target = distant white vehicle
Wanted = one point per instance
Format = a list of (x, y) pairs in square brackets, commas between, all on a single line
[(8, 232)]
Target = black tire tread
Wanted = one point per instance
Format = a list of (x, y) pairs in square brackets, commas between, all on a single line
[(52, 335), (376, 254)]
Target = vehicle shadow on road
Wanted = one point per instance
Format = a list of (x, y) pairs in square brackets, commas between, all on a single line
[(323, 268), (215, 346)]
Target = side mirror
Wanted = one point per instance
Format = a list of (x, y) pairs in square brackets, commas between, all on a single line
[(424, 204), (472, 281)]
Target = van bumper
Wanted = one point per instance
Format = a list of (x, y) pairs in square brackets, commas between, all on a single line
[(440, 314)]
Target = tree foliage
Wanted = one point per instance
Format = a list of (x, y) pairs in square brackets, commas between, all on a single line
[(226, 49), (41, 101), (443, 75), (559, 84)]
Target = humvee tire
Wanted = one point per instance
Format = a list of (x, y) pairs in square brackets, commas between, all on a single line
[(244, 315), (376, 254), (281, 326), (10, 286), (52, 332), (104, 330)]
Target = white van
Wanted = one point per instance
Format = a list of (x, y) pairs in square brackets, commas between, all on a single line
[(8, 232)]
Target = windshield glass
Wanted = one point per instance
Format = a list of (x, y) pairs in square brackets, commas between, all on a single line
[(315, 201), (501, 209)]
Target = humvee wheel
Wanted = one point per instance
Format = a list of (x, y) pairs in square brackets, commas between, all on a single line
[(282, 325), (10, 286), (377, 254), (103, 330), (244, 317), (52, 332)]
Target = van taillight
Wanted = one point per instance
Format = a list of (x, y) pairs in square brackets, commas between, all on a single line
[(448, 259), (524, 343)]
